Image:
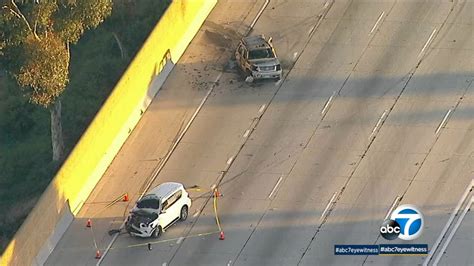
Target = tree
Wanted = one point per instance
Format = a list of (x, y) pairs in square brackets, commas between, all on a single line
[(34, 49)]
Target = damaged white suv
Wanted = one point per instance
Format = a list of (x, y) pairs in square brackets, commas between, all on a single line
[(159, 209)]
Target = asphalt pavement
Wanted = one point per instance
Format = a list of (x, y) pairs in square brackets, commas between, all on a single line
[(375, 110)]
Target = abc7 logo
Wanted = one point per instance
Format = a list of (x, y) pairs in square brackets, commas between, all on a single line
[(406, 223)]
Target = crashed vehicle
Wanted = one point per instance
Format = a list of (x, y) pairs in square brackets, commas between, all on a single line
[(257, 58), (163, 206)]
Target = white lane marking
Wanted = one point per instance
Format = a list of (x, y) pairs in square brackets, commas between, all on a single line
[(196, 213), (443, 123), (230, 160), (218, 77), (278, 82), (376, 23), (247, 132), (427, 42), (328, 102), (321, 16), (168, 155), (394, 204), (259, 14), (180, 240), (261, 108), (455, 228), (213, 186), (378, 124), (275, 187), (295, 54), (164, 264), (448, 223), (329, 204)]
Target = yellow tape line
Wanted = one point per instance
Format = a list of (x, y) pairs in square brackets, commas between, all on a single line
[(110, 204), (215, 212)]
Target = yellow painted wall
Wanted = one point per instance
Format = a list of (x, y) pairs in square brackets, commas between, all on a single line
[(108, 131)]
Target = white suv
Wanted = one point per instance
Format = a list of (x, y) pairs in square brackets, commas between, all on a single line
[(159, 209)]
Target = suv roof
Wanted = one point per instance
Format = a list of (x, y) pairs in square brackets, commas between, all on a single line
[(166, 189), (256, 42)]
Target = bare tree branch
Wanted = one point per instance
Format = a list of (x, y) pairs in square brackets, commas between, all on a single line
[(20, 15)]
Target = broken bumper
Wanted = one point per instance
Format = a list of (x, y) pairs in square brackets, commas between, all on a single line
[(267, 75)]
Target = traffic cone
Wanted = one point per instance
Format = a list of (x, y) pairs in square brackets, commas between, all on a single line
[(97, 254), (221, 235), (89, 223), (125, 197)]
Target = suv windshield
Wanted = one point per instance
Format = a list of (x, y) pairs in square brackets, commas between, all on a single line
[(149, 203), (261, 54)]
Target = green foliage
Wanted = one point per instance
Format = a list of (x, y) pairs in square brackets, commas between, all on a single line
[(44, 69), (76, 16), (35, 42), (95, 67)]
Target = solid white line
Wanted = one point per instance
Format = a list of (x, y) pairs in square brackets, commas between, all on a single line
[(395, 203), (155, 174), (376, 23), (455, 228), (427, 42), (196, 214), (261, 108), (179, 240), (328, 102), (451, 218), (275, 187), (329, 204), (443, 123), (230, 160), (247, 132), (378, 124), (259, 14)]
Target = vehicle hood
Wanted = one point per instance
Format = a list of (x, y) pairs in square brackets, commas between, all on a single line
[(140, 216), (265, 62)]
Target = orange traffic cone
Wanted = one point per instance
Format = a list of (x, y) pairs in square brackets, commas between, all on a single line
[(89, 223), (125, 197), (221, 235), (97, 254)]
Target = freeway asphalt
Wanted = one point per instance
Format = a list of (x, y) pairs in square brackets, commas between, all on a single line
[(392, 70)]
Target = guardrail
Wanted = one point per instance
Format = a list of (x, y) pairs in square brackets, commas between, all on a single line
[(67, 192)]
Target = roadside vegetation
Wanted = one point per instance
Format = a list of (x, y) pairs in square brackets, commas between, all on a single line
[(97, 61)]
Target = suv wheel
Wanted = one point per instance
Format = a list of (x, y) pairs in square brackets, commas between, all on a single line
[(157, 232), (184, 213)]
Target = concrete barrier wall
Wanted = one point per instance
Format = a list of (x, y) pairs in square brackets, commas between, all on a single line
[(96, 149)]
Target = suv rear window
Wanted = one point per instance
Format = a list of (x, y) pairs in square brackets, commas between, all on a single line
[(261, 54)]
